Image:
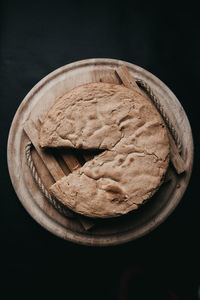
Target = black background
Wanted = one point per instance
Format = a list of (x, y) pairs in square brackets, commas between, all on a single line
[(38, 37)]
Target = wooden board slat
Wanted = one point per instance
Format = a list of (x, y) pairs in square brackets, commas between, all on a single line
[(127, 79), (49, 161), (70, 160)]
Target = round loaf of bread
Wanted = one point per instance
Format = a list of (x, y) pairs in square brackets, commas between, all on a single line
[(133, 137)]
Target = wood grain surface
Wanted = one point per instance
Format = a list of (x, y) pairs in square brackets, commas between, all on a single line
[(112, 231)]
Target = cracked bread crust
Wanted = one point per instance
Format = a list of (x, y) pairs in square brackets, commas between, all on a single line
[(131, 131)]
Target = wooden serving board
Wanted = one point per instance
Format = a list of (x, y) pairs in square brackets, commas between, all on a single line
[(101, 232)]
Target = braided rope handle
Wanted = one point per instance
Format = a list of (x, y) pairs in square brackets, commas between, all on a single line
[(160, 108), (64, 211)]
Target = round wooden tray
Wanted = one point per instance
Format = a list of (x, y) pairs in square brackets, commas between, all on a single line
[(104, 232)]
